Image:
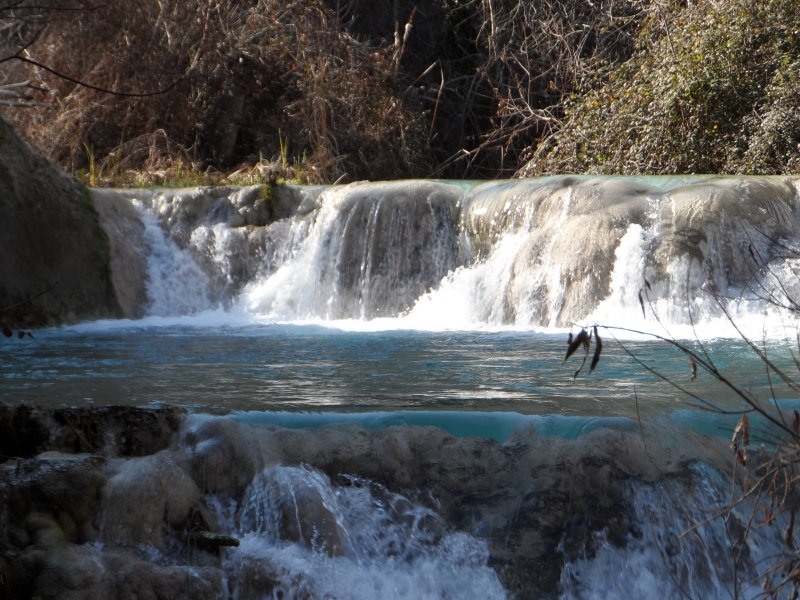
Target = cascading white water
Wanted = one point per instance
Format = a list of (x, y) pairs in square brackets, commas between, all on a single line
[(643, 254), (175, 282), (367, 253), (362, 541), (357, 542), (431, 255), (676, 551)]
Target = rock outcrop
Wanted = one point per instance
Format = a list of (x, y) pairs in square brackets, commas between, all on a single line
[(50, 239)]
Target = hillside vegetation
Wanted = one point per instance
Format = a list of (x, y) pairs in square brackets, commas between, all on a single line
[(326, 90)]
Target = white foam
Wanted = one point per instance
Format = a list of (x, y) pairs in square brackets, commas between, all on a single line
[(677, 550), (176, 285), (469, 297)]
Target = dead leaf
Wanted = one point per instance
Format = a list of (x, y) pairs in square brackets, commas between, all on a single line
[(739, 455), (582, 339), (597, 350), (693, 368), (745, 423), (742, 432), (788, 535)]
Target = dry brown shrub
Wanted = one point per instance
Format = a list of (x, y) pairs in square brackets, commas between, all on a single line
[(237, 73), (508, 67)]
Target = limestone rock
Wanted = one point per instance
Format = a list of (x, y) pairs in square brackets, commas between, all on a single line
[(145, 497), (116, 525), (125, 230), (292, 504), (224, 455), (66, 487)]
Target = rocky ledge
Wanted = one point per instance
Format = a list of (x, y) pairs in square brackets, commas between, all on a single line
[(122, 502)]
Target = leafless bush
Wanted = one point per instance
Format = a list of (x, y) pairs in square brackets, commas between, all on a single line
[(237, 74)]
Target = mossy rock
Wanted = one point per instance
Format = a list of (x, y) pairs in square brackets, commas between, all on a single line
[(51, 240)]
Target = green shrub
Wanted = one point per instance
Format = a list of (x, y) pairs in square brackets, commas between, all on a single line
[(716, 91)]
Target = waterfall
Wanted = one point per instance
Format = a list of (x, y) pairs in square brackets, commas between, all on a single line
[(367, 252), (360, 541), (414, 512), (543, 253)]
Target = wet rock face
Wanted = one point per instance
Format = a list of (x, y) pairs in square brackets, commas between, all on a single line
[(144, 499), (64, 489), (229, 234), (286, 504), (125, 231), (115, 430), (113, 522), (570, 228), (51, 566), (538, 501), (223, 457), (539, 252), (23, 430), (393, 242)]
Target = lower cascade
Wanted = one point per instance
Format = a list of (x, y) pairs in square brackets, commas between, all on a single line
[(430, 255), (177, 506)]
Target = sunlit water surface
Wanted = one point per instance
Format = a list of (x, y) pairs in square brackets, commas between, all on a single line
[(295, 371)]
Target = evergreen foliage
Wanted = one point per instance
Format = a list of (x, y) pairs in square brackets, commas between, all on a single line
[(715, 91)]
